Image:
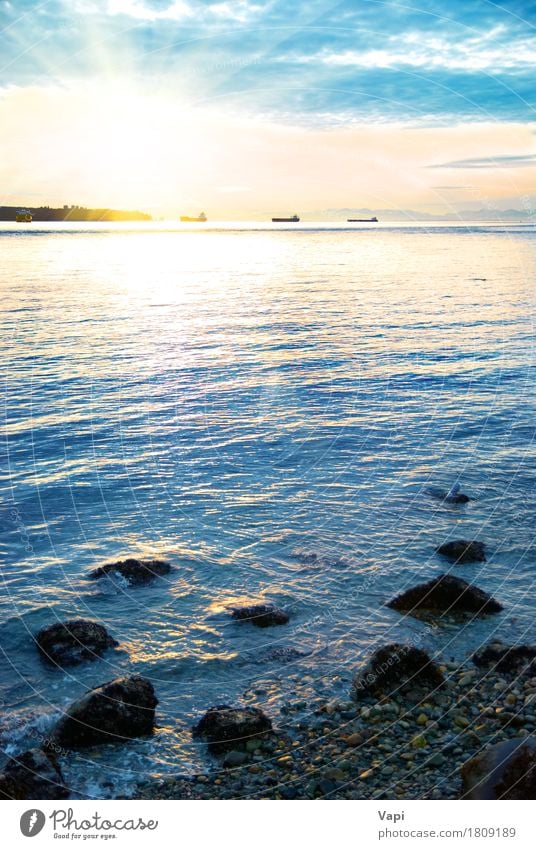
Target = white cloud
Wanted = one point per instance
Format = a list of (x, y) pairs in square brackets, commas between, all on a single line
[(178, 10), (237, 10), (142, 10), (415, 50)]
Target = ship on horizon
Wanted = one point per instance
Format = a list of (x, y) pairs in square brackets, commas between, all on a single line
[(293, 219), (372, 220), (24, 216), (194, 218)]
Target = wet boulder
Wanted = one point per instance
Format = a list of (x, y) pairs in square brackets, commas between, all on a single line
[(463, 551), (504, 658), (451, 496), (33, 775), (224, 727), (456, 498), (118, 710), (261, 615), (506, 770), (134, 571), (72, 642), (445, 594), (395, 668)]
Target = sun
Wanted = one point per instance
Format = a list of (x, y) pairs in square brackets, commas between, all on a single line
[(136, 144)]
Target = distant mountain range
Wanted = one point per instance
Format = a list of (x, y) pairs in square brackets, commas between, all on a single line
[(413, 215), (73, 213)]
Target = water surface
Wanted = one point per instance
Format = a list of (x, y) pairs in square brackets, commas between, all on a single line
[(266, 407)]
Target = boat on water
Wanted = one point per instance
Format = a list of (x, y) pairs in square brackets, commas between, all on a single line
[(372, 220), (292, 220), (201, 217), (24, 216)]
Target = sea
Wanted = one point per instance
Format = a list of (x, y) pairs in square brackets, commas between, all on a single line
[(273, 409)]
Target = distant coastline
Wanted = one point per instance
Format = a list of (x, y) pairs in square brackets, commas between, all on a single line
[(483, 215), (74, 213)]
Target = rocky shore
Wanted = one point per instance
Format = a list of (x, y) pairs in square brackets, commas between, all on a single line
[(408, 745), (412, 726)]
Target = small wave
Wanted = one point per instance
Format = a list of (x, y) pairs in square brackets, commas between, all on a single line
[(26, 730)]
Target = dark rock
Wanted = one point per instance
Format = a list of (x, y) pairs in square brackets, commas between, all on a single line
[(504, 658), (71, 642), (326, 786), (506, 770), (261, 615), (308, 558), (288, 792), (32, 775), (136, 572), (225, 727), (118, 710), (452, 496), (394, 668), (234, 759), (463, 551), (279, 654), (445, 594), (458, 498)]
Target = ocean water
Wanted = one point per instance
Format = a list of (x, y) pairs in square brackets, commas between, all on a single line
[(268, 408)]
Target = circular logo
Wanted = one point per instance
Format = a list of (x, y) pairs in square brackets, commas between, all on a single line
[(31, 822)]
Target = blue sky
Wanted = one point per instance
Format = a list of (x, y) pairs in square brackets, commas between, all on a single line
[(422, 61), (314, 66)]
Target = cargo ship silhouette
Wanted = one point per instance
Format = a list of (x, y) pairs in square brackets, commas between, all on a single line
[(291, 220), (201, 217)]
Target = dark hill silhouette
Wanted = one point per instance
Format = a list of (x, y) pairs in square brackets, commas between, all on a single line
[(73, 213)]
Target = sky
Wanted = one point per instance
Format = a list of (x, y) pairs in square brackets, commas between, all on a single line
[(256, 107)]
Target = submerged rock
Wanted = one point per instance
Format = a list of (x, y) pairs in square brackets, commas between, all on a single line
[(394, 668), (445, 594), (280, 654), (452, 496), (463, 551), (71, 642), (261, 615), (233, 759), (32, 775), (134, 571), (504, 658), (457, 498), (118, 710), (224, 727), (506, 770)]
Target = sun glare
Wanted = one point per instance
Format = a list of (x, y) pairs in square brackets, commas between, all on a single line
[(133, 141)]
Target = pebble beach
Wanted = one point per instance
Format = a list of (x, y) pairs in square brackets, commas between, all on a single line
[(395, 748)]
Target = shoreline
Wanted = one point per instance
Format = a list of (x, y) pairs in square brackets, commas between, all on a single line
[(401, 747)]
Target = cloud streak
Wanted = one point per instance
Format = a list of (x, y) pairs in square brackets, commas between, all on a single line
[(412, 50), (504, 161)]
